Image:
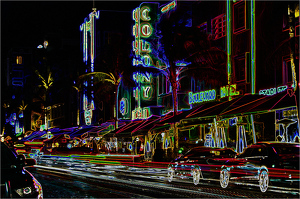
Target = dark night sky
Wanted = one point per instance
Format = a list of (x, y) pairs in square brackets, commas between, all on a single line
[(25, 23)]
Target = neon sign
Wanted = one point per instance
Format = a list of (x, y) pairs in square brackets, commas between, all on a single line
[(290, 113), (168, 7), (88, 26), (142, 77), (272, 91), (145, 17), (228, 91), (124, 106), (141, 113), (202, 96), (85, 27)]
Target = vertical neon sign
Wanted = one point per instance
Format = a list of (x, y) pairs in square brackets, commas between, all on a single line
[(229, 31), (253, 64), (85, 27), (89, 27), (145, 16)]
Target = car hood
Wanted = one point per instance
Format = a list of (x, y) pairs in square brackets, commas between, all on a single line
[(18, 178)]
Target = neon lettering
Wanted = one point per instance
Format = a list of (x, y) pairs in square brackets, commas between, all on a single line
[(202, 96), (145, 13)]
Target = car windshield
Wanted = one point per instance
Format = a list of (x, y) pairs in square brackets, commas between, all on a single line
[(8, 157)]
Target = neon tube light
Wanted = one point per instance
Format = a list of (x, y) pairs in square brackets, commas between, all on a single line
[(253, 58), (228, 30)]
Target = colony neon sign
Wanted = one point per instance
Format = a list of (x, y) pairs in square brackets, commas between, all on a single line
[(144, 17)]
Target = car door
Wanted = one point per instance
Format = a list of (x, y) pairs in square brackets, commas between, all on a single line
[(255, 159)]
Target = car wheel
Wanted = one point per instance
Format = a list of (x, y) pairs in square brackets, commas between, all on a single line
[(263, 181), (171, 174), (196, 176), (224, 178)]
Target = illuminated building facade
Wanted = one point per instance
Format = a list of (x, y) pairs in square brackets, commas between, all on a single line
[(16, 73), (258, 64)]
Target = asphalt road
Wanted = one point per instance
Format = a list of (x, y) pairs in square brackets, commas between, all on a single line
[(118, 182)]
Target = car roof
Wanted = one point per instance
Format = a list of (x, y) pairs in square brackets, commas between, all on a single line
[(278, 144), (204, 148)]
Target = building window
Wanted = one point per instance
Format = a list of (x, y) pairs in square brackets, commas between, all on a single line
[(240, 68), (218, 26), (239, 16), (19, 60), (286, 70)]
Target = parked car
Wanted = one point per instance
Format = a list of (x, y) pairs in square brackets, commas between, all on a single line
[(16, 181), (261, 163), (194, 163)]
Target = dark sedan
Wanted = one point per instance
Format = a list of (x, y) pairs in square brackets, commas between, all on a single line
[(261, 163), (16, 181), (194, 164)]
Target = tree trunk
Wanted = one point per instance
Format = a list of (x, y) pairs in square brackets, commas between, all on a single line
[(174, 84), (116, 107)]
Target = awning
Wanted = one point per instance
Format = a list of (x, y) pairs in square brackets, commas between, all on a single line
[(81, 131), (261, 104), (211, 109), (124, 131), (240, 105), (146, 125), (34, 135), (57, 137)]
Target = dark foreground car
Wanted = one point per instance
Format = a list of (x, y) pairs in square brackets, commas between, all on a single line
[(263, 163), (16, 181), (194, 164)]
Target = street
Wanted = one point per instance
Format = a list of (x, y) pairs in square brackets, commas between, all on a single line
[(107, 181)]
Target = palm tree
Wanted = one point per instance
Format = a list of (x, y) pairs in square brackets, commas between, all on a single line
[(109, 78), (46, 84), (22, 108)]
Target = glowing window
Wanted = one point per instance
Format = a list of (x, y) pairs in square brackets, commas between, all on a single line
[(19, 60), (218, 26)]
